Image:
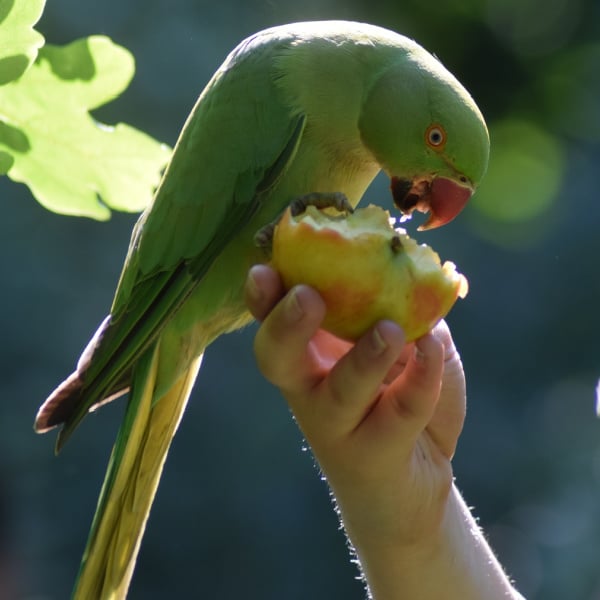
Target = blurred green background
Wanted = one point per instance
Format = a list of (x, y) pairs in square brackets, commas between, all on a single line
[(241, 511)]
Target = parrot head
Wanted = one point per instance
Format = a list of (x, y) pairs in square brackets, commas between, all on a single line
[(427, 134)]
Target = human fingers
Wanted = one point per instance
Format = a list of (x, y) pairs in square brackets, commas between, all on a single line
[(282, 343), (263, 289), (409, 402), (355, 380), (447, 422)]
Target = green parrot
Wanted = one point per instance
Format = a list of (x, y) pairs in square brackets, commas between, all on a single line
[(317, 107)]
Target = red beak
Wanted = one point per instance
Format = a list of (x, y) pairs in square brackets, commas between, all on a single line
[(442, 198)]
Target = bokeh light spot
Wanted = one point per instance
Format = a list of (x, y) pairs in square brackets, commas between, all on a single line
[(525, 173)]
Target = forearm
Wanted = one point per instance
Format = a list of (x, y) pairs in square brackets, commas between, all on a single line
[(456, 564)]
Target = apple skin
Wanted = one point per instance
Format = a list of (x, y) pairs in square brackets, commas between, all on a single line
[(365, 271)]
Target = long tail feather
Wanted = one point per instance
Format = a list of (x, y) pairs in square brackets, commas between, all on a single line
[(131, 481)]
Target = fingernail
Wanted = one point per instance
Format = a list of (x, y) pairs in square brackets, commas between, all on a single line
[(252, 286), (418, 354), (294, 309), (378, 342)]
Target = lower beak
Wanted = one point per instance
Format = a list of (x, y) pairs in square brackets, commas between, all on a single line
[(441, 197)]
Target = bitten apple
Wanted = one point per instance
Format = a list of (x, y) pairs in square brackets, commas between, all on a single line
[(365, 270)]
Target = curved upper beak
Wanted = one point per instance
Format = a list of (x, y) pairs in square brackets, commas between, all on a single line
[(441, 197)]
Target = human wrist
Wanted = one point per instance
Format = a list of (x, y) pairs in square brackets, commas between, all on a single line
[(453, 561), (474, 562)]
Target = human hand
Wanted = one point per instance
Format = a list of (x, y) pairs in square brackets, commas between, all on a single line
[(382, 417)]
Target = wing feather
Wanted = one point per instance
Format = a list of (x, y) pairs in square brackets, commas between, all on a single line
[(236, 144)]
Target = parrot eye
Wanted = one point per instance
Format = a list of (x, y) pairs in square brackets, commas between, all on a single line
[(435, 136)]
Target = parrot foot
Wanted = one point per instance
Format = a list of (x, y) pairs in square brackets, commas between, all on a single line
[(321, 200), (263, 238)]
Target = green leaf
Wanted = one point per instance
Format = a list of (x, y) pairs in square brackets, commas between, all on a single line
[(73, 164), (6, 162), (19, 42)]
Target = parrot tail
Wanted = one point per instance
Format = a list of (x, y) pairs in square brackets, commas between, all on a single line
[(63, 406), (131, 481)]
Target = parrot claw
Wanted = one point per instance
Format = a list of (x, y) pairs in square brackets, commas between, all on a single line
[(263, 238), (321, 200)]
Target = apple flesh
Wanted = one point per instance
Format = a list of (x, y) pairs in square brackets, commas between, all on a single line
[(365, 271)]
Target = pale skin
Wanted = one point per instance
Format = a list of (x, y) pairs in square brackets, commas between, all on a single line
[(383, 419)]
